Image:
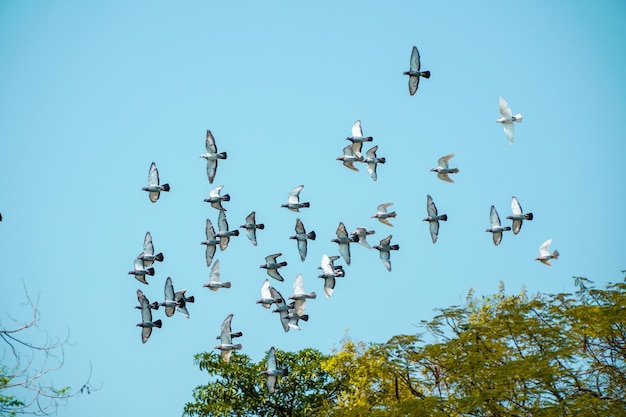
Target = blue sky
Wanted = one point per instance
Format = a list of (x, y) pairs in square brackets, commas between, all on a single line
[(92, 93)]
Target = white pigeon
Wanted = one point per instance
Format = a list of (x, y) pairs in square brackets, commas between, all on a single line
[(293, 200), (211, 242), (215, 282), (272, 371), (349, 158), (215, 198), (146, 317), (496, 229), (211, 156), (382, 215), (433, 218), (357, 139), (154, 188), (443, 170), (508, 119), (518, 215), (267, 299), (251, 226), (140, 271), (226, 345), (328, 275), (544, 253), (300, 295)]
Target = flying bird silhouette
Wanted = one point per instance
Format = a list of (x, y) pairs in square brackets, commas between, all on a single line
[(384, 249), (361, 233), (293, 201), (344, 240), (301, 236), (140, 271), (544, 253), (382, 214), (223, 233), (415, 72), (443, 170), (226, 345), (357, 139), (154, 188), (507, 119), (272, 266), (216, 199), (372, 161), (518, 215), (215, 282), (251, 226), (272, 371), (496, 229), (433, 218), (211, 156), (146, 318), (147, 256), (211, 242), (349, 158)]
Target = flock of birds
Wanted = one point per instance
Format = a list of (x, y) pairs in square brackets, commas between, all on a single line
[(291, 310)]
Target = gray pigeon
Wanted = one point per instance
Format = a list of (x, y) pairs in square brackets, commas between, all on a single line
[(384, 249), (443, 170), (433, 218), (211, 156), (357, 139), (290, 318), (140, 271), (211, 242), (216, 199), (518, 215), (372, 161), (328, 275), (349, 158), (382, 214), (301, 236), (147, 256), (146, 318), (223, 233), (251, 226), (226, 345), (344, 240), (507, 119), (300, 295), (154, 188), (415, 72), (272, 371), (175, 301), (214, 278), (293, 201), (544, 253), (496, 229), (272, 266), (267, 299), (361, 233), (181, 302)]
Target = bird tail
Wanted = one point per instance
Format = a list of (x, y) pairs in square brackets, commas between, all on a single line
[(260, 226), (528, 216), (235, 232), (226, 284), (555, 254), (304, 317), (190, 299), (311, 295), (283, 263), (159, 257), (454, 170), (306, 204), (238, 334), (226, 197), (166, 187), (517, 117), (311, 235), (154, 305), (368, 139), (443, 217), (284, 372), (221, 155), (426, 74), (507, 228), (392, 214), (381, 160), (157, 323), (237, 346), (394, 247), (150, 271)]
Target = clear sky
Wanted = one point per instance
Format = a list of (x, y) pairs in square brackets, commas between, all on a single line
[(92, 92)]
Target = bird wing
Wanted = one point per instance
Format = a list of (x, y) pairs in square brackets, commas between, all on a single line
[(385, 256), (211, 169), (179, 297), (344, 250), (145, 333), (153, 175), (298, 285), (497, 238), (443, 161), (444, 176), (169, 296), (357, 132), (517, 225), (265, 290), (294, 195), (544, 249), (414, 81), (222, 224), (355, 148), (251, 233), (362, 234), (146, 312), (434, 230), (326, 265), (430, 206), (216, 191), (270, 383), (302, 248), (299, 307), (371, 153), (154, 196), (224, 240), (215, 275), (209, 230), (275, 274), (329, 286), (515, 206), (139, 263), (493, 216), (385, 221), (209, 254), (148, 248), (414, 62), (509, 132), (225, 337), (251, 218), (300, 227), (341, 231), (277, 296), (272, 258), (505, 110), (382, 208), (210, 142)]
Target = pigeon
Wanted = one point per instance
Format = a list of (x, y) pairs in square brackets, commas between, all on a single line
[(251, 226), (216, 199), (518, 215), (147, 256), (349, 158), (544, 253), (301, 236), (154, 305), (181, 302), (384, 249), (272, 371), (283, 309), (214, 278), (140, 271), (300, 295), (382, 214), (272, 266), (146, 318), (337, 269), (414, 72), (344, 240), (372, 161), (496, 229), (267, 299), (175, 301), (328, 274), (226, 345), (211, 156), (223, 233), (211, 242), (153, 188), (508, 119), (442, 169), (361, 233), (357, 139), (293, 202), (433, 218), (290, 318)]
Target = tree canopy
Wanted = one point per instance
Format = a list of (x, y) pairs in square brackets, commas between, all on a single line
[(498, 355)]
